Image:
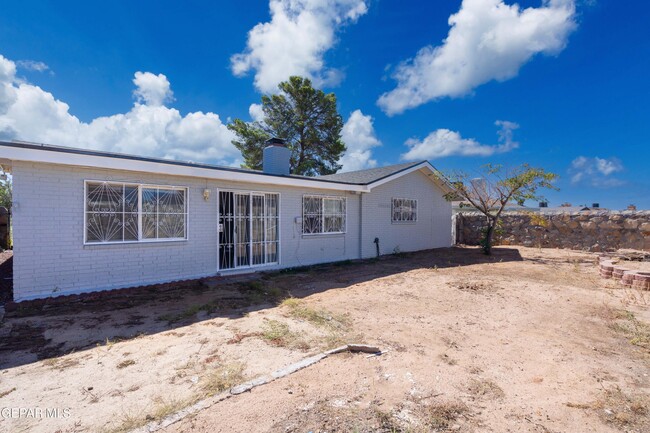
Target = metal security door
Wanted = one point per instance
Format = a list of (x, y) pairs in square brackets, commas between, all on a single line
[(257, 229), (248, 229), (226, 230), (242, 229)]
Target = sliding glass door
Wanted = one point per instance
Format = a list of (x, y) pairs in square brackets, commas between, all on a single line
[(248, 229)]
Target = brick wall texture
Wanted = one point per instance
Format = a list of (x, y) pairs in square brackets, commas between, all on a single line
[(50, 257)]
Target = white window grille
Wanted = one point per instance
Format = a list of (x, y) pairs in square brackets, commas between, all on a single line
[(321, 214), (404, 210), (122, 212)]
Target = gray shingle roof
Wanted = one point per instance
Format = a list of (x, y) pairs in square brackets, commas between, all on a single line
[(360, 177), (368, 176)]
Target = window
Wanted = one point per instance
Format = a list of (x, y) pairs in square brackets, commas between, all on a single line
[(404, 210), (122, 212), (323, 214)]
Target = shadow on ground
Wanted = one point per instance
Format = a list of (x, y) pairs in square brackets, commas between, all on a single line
[(49, 328)]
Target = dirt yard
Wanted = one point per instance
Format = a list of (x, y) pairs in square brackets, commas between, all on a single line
[(527, 340)]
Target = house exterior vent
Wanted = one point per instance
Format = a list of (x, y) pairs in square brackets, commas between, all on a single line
[(276, 157)]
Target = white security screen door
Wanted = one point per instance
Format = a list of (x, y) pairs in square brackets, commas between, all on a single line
[(248, 229)]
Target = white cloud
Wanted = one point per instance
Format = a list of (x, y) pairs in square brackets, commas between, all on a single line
[(295, 41), (7, 90), (151, 89), (444, 142), (358, 134), (256, 112), (30, 113), (596, 171), (488, 40), (32, 65)]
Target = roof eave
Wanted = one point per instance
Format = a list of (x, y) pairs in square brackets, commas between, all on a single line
[(433, 174), (48, 156)]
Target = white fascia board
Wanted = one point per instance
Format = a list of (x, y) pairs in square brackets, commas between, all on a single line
[(432, 175), (113, 163)]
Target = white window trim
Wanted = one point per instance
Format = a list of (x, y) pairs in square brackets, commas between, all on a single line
[(392, 210), (279, 229), (140, 240), (323, 197)]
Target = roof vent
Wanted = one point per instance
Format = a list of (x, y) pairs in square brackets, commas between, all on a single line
[(595, 205), (543, 204), (276, 158)]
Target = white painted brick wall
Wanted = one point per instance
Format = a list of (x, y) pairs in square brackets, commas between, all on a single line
[(50, 258), (432, 229)]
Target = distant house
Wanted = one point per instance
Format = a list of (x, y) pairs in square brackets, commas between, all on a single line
[(85, 221), (568, 208), (465, 206), (563, 209)]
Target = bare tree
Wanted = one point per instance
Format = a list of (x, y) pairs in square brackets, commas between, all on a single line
[(496, 187)]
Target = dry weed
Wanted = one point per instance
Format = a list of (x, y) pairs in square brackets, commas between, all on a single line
[(162, 408), (240, 336), (190, 312), (628, 411), (317, 317), (222, 378), (474, 286), (61, 363), (485, 388), (6, 393), (441, 416), (278, 334), (448, 360), (624, 322), (125, 363)]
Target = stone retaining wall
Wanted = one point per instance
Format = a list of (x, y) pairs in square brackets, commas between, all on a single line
[(589, 230)]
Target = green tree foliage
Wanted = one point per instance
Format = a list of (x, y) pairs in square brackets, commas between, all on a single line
[(306, 118), (497, 188), (5, 193)]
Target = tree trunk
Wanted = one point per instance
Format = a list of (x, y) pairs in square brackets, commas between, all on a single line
[(489, 234)]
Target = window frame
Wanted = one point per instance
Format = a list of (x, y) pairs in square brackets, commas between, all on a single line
[(322, 198), (139, 186), (392, 211)]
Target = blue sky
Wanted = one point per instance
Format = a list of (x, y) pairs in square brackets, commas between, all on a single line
[(561, 84)]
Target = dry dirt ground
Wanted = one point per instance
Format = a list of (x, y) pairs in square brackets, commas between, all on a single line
[(527, 340)]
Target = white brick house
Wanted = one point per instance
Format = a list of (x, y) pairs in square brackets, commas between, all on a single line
[(86, 221)]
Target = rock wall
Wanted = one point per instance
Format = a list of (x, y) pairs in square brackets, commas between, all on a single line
[(589, 230)]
